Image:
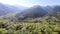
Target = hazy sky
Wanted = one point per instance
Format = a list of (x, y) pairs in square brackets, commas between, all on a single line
[(30, 3)]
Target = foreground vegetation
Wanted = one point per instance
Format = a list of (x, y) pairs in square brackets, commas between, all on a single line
[(30, 26)]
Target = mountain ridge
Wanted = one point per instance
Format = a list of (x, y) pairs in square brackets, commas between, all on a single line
[(5, 9)]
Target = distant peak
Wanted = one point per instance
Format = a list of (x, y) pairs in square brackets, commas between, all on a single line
[(36, 6), (0, 3)]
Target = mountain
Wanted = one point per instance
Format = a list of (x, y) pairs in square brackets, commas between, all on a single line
[(21, 13), (6, 9), (55, 10), (33, 12), (47, 8)]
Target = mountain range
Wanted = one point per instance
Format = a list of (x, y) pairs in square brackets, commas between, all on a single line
[(22, 12), (5, 9)]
